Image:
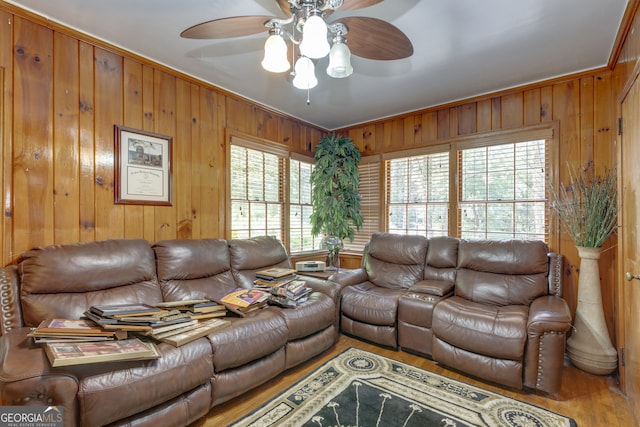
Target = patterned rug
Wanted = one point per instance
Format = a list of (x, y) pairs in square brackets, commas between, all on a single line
[(358, 388)]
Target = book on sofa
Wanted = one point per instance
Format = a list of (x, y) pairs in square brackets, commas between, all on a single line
[(185, 335), (124, 310)]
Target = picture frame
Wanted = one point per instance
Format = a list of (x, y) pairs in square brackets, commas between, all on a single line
[(143, 167), (67, 354)]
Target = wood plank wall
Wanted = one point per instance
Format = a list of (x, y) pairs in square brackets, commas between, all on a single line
[(63, 93), (584, 108)]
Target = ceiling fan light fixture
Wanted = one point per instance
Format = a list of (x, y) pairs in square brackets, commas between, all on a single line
[(305, 76), (339, 60), (275, 54), (314, 38)]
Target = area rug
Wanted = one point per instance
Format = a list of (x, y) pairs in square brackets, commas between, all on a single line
[(359, 388)]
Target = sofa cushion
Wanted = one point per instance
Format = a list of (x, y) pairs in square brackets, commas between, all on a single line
[(493, 331), (250, 255), (65, 280), (371, 304), (248, 339), (502, 273), (131, 387), (395, 261), (442, 258), (193, 268), (315, 314)]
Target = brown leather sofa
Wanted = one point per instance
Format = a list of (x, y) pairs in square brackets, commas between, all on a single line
[(185, 382), (492, 309)]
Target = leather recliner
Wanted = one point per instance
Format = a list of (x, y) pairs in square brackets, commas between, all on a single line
[(506, 322)]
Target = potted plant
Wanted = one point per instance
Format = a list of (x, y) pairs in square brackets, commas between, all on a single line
[(335, 198), (588, 210)]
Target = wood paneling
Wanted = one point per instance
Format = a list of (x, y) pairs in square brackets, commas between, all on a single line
[(62, 95)]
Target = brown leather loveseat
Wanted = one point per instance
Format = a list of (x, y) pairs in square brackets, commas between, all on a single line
[(492, 309), (185, 382)]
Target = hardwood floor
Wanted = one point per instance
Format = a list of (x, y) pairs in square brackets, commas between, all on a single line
[(592, 401)]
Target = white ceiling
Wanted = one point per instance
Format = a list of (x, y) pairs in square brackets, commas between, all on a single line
[(463, 48)]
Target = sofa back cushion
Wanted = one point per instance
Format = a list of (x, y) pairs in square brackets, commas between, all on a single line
[(63, 281), (193, 268), (442, 258), (502, 272), (258, 253), (395, 261)]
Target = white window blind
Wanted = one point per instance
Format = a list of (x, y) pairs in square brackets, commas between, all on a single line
[(502, 191), (417, 196), (300, 208), (256, 188), (369, 189)]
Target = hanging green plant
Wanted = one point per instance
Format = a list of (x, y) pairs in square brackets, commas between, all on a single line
[(335, 180)]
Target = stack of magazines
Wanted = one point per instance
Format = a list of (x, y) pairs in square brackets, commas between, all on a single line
[(290, 294)]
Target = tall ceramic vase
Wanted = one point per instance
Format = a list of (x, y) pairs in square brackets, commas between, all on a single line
[(589, 346)]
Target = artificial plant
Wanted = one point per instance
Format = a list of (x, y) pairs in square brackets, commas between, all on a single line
[(334, 181)]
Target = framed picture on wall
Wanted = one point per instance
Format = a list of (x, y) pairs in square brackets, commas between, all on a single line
[(142, 167)]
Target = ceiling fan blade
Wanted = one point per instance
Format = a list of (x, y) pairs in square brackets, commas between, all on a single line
[(357, 4), (235, 26), (374, 38), (285, 7)]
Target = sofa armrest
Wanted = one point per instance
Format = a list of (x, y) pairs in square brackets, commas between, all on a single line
[(439, 288), (331, 289), (547, 327), (27, 378), (548, 313), (349, 277), (10, 308)]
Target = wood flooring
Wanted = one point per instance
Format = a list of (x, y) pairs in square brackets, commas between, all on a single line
[(592, 401)]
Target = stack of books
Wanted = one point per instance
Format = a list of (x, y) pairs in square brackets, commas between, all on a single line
[(196, 308), (241, 301), (290, 294), (275, 276), (190, 332), (134, 317), (70, 331)]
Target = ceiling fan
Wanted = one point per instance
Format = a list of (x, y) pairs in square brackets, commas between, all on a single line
[(304, 25)]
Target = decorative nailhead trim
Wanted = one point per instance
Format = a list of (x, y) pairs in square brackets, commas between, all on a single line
[(40, 397), (557, 274), (7, 298)]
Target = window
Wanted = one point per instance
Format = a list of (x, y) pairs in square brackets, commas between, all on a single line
[(369, 169), (503, 191), (256, 185), (300, 209), (481, 187), (418, 194)]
